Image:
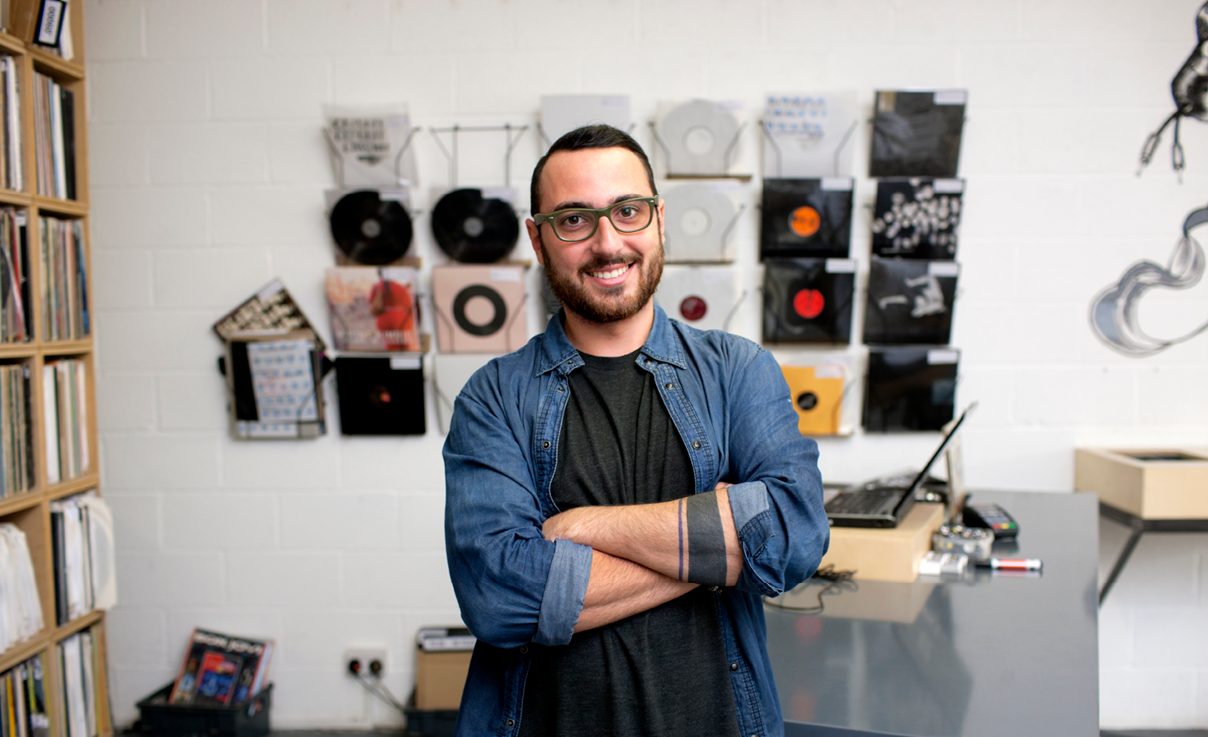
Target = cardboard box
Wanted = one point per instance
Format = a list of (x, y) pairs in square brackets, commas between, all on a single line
[(886, 554), (1150, 484), (440, 677)]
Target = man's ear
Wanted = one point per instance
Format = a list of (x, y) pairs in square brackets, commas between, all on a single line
[(534, 234), (662, 213)]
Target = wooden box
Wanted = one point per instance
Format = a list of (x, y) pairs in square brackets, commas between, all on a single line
[(885, 554), (439, 678), (1150, 484)]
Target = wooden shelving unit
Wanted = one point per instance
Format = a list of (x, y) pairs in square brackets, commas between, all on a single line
[(30, 511)]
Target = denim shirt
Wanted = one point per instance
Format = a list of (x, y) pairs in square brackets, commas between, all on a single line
[(731, 405)]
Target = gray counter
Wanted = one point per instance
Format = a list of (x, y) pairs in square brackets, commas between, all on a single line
[(988, 654)]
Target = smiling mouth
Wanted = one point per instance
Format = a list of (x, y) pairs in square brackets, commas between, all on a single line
[(612, 273)]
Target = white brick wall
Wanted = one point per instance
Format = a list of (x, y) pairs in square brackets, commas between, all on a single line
[(208, 174)]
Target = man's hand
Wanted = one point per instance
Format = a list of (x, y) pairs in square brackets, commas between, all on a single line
[(691, 539)]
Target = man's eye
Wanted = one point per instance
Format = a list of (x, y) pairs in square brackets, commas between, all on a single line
[(571, 220), (627, 211)]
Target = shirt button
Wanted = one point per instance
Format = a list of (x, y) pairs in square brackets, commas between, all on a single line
[(696, 445), (669, 385), (545, 444), (561, 388), (523, 649), (733, 666), (511, 722)]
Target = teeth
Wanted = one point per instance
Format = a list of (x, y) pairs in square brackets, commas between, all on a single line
[(610, 274)]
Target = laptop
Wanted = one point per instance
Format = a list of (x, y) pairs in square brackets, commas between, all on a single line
[(884, 501)]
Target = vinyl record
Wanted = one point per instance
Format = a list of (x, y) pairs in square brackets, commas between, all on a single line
[(806, 218), (704, 297), (479, 309), (917, 218), (381, 396), (910, 389), (473, 229), (807, 300), (817, 394), (370, 230), (909, 301), (698, 218), (917, 134), (697, 136)]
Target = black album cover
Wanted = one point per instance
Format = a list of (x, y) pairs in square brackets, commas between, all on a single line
[(381, 396), (917, 218), (370, 230), (474, 229), (910, 389), (806, 218), (917, 134), (909, 301), (807, 300)]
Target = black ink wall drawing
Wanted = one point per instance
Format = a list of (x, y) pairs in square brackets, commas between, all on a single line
[(1190, 91)]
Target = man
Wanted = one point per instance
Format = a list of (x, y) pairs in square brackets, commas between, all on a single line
[(622, 491)]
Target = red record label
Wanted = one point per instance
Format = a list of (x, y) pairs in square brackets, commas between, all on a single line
[(693, 308), (809, 303)]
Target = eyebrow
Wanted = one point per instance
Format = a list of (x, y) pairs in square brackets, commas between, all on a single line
[(584, 206)]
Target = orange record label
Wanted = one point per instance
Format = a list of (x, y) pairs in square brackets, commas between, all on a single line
[(805, 221)]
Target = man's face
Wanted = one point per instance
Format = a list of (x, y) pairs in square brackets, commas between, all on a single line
[(611, 275)]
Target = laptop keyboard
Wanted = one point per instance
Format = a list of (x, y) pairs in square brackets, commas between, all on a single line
[(859, 502)]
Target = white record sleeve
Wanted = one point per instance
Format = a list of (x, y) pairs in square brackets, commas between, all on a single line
[(704, 297), (809, 135), (700, 220), (561, 114), (450, 373), (699, 138)]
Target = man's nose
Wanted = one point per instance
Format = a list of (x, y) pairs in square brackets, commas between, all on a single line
[(608, 239)]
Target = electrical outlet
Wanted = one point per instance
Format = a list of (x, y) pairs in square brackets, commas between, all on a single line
[(361, 661)]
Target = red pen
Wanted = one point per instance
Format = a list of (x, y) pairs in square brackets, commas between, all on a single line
[(1014, 564)]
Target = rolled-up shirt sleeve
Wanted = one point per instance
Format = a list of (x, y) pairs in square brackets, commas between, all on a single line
[(513, 586), (777, 506)]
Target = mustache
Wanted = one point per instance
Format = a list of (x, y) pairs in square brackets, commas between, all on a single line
[(604, 265)]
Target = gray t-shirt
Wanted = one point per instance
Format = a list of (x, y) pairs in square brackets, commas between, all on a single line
[(663, 671)]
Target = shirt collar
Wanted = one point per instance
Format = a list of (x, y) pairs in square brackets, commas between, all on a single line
[(556, 349)]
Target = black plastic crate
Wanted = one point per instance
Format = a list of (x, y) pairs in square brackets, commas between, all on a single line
[(429, 723), (246, 719)]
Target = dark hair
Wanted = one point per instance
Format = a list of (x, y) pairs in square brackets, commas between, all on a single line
[(590, 136)]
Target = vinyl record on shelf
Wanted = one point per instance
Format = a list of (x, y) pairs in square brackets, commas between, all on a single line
[(370, 230), (701, 296), (817, 394), (910, 388), (917, 218), (807, 300), (474, 229), (697, 136), (806, 218), (381, 396), (699, 215), (909, 301), (917, 134), (479, 309)]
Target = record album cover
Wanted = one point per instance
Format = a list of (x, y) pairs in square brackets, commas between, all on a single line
[(807, 300), (917, 134), (910, 301), (373, 309), (479, 309), (910, 388), (806, 218), (917, 218), (817, 394), (704, 297), (699, 138), (700, 221), (476, 226), (809, 134), (381, 395), (561, 114)]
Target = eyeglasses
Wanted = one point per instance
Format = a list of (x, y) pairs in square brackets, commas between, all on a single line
[(579, 224)]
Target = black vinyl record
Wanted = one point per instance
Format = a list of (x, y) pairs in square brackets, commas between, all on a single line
[(378, 397), (910, 389), (917, 218), (370, 230), (473, 229), (917, 134), (909, 301), (806, 218), (807, 300)]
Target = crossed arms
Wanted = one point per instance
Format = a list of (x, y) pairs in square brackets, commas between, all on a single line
[(646, 554)]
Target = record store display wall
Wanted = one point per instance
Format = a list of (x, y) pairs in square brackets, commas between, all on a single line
[(210, 178)]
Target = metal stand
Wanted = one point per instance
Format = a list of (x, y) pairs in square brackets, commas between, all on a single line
[(507, 128), (1139, 527), (725, 172)]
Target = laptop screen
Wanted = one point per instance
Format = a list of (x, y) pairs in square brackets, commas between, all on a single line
[(918, 480)]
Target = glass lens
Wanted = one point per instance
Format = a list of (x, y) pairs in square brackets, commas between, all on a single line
[(630, 216), (574, 225)]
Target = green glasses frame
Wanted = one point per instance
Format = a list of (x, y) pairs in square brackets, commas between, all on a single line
[(602, 212)]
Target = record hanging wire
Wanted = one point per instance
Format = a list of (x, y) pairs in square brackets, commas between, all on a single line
[(370, 230), (473, 229)]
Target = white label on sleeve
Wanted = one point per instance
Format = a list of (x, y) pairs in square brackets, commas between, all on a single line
[(728, 105), (507, 275), (942, 357), (271, 289), (404, 363), (832, 184), (393, 195), (950, 97), (948, 186), (828, 371), (507, 194), (943, 268), (716, 276), (840, 266)]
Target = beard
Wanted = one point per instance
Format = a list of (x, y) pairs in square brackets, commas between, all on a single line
[(575, 296)]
